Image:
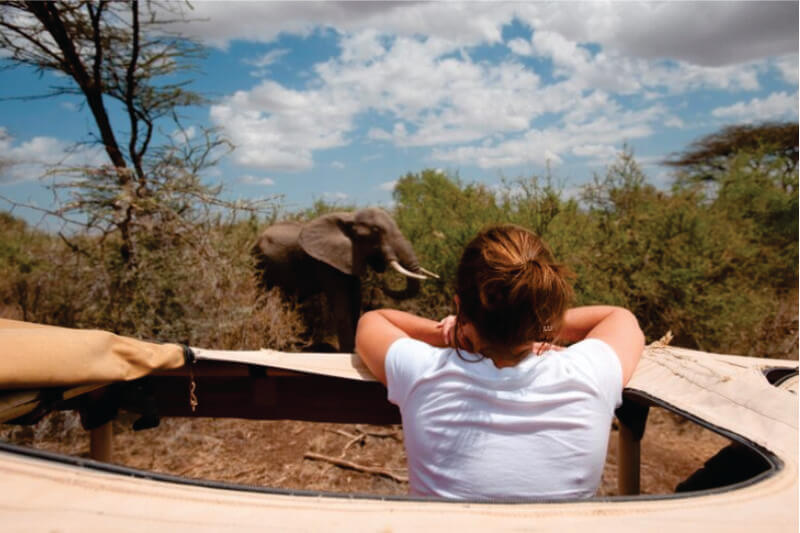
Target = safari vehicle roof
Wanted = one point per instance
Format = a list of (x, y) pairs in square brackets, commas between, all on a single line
[(41, 491)]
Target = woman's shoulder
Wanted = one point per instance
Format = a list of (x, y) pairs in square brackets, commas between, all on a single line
[(586, 354), (597, 363), (408, 361), (415, 355)]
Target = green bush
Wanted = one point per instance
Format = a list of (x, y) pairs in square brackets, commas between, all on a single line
[(201, 292), (716, 269), (716, 265)]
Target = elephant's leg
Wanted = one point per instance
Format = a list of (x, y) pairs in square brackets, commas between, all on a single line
[(355, 309), (344, 298)]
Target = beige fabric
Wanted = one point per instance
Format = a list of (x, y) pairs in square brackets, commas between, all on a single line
[(33, 355), (729, 392), (338, 365)]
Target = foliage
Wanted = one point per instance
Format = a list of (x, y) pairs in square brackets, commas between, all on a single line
[(716, 271), (203, 293), (710, 157), (144, 226), (318, 208), (718, 268), (439, 216), (763, 205), (675, 263)]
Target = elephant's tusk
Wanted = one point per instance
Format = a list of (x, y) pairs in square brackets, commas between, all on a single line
[(397, 266), (428, 272)]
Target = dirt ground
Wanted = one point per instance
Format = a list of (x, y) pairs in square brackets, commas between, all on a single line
[(281, 453)]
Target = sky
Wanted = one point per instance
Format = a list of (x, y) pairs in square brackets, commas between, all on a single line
[(337, 100)]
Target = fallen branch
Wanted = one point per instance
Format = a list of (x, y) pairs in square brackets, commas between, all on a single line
[(355, 466), (392, 434), (356, 438)]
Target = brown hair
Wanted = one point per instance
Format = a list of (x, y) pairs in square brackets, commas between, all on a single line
[(511, 290)]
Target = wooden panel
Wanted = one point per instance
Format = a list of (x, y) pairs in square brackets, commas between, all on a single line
[(224, 391)]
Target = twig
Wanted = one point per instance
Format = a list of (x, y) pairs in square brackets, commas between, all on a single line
[(342, 433), (356, 438), (355, 466), (393, 434), (663, 341), (72, 246)]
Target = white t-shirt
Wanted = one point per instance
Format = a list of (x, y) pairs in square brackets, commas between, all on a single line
[(535, 430)]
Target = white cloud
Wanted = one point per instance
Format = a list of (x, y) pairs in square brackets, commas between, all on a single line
[(267, 59), (277, 128), (610, 71), (31, 159), (787, 66), (699, 33), (378, 134), (388, 185), (335, 196), (461, 23), (338, 164), (673, 122), (409, 63), (442, 100), (548, 146), (253, 180), (595, 150), (361, 46), (520, 47), (184, 135), (775, 106)]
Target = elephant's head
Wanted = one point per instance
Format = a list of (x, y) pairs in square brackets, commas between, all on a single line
[(351, 241)]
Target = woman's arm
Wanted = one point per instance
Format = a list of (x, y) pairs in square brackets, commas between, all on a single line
[(378, 329), (616, 326)]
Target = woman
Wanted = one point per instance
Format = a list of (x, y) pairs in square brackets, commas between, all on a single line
[(491, 410)]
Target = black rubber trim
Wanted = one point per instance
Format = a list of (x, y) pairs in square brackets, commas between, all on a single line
[(189, 356), (779, 378), (775, 466)]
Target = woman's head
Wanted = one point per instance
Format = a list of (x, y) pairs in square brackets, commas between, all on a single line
[(511, 290)]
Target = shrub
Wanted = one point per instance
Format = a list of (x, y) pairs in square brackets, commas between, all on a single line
[(202, 293), (717, 266), (718, 270)]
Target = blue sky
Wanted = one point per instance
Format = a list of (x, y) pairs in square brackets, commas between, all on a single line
[(338, 100)]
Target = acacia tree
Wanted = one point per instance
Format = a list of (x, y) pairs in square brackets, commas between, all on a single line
[(118, 54), (123, 61), (770, 146)]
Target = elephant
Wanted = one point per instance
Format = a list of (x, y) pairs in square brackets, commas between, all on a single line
[(329, 254)]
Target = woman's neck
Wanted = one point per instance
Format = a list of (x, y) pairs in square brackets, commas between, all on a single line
[(512, 355)]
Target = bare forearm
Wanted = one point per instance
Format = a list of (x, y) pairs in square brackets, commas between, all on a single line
[(414, 326), (579, 321), (616, 326)]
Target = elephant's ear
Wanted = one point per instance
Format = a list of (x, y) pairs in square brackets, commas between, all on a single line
[(325, 239)]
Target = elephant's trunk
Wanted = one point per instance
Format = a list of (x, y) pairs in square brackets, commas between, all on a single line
[(402, 255), (411, 290)]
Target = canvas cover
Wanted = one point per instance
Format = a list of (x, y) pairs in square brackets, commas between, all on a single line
[(33, 356), (730, 393)]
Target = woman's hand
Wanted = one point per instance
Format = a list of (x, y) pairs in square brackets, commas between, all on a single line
[(465, 333), (541, 347), (447, 326)]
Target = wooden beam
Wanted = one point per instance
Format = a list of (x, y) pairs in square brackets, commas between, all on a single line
[(632, 418), (100, 443), (273, 395), (628, 462)]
